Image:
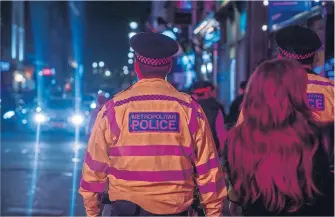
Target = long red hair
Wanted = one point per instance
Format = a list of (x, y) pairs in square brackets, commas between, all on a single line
[(270, 153)]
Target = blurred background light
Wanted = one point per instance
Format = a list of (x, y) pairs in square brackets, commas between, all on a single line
[(209, 67), (130, 35), (133, 25), (264, 28), (107, 95), (131, 55), (19, 78), (170, 34), (203, 69)]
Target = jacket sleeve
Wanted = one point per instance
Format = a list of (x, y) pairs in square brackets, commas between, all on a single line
[(209, 177), (95, 167), (330, 98)]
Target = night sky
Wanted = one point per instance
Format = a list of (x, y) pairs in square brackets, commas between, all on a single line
[(107, 30)]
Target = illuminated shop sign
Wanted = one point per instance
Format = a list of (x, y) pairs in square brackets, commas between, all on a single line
[(209, 31), (280, 11)]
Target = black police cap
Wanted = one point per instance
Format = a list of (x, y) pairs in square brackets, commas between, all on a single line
[(297, 42), (153, 49)]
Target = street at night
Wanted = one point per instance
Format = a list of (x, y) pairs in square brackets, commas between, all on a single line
[(167, 108), (43, 176)]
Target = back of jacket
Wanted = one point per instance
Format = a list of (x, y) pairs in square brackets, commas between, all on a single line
[(320, 93), (153, 139)]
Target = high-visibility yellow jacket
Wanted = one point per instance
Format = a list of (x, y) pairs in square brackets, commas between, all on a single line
[(147, 143)]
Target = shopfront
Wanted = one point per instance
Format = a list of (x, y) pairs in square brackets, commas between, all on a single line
[(233, 50), (206, 39)]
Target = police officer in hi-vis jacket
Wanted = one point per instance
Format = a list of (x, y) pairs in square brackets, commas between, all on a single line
[(300, 43), (152, 145)]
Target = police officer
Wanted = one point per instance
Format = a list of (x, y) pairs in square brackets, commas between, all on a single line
[(150, 142), (301, 44), (205, 94)]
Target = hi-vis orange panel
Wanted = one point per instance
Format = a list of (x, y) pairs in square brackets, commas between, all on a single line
[(320, 93), (146, 143)]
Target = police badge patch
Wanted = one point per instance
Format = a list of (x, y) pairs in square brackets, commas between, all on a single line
[(316, 100), (143, 122)]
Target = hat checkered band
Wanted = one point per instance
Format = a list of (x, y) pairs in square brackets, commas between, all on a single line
[(153, 61), (295, 56)]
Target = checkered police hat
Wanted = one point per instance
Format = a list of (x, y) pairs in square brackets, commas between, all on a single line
[(153, 49), (296, 42)]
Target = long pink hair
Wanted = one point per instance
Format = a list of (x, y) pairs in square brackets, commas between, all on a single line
[(270, 153)]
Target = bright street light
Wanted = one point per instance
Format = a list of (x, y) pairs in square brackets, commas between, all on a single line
[(203, 69), (77, 119), (130, 35), (126, 72), (130, 55), (265, 2), (107, 73), (133, 25), (175, 29), (131, 49), (101, 64), (130, 61), (94, 65), (264, 28), (210, 67), (19, 78), (125, 68), (40, 118)]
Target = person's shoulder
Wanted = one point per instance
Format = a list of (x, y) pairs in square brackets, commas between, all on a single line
[(319, 80), (185, 97), (123, 94)]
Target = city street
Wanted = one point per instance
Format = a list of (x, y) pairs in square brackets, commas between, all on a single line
[(42, 178), (48, 190)]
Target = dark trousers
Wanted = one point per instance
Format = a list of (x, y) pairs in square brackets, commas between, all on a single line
[(127, 208)]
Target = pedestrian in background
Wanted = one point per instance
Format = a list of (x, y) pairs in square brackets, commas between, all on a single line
[(100, 102), (150, 142), (235, 107), (205, 94)]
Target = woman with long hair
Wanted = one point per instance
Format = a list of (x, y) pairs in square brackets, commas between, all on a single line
[(274, 158)]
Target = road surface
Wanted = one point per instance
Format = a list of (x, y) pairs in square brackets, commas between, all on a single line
[(42, 176)]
